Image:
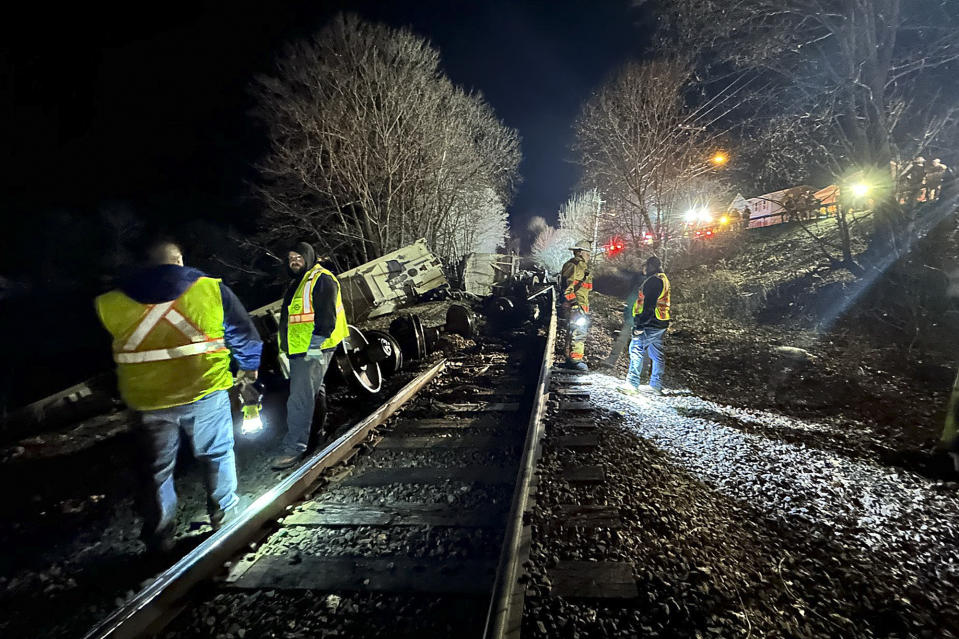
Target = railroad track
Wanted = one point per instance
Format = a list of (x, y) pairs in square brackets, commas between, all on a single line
[(423, 533)]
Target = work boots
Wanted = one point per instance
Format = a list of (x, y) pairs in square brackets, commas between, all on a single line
[(575, 365), (220, 518), (287, 460)]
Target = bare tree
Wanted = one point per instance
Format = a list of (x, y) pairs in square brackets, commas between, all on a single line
[(478, 223), (551, 248), (640, 145), (372, 147), (857, 83), (579, 214)]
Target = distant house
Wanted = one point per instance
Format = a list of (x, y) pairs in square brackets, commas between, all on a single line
[(738, 204), (828, 199), (766, 209)]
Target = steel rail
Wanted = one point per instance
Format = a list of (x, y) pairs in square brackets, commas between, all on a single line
[(506, 601), (159, 602)]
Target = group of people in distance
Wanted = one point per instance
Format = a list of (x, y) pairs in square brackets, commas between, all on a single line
[(919, 182)]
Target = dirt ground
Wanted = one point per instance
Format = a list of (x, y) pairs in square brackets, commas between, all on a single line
[(891, 407)]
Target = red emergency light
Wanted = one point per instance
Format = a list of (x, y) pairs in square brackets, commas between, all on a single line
[(614, 246)]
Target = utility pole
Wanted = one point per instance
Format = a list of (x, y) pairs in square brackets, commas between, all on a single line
[(599, 204)]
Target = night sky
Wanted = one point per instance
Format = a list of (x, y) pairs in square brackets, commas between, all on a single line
[(149, 107)]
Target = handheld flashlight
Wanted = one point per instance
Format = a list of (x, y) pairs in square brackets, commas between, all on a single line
[(251, 399)]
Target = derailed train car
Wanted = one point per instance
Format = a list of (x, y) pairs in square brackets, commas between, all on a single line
[(399, 279)]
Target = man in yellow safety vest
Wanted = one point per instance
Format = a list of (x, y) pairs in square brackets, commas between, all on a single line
[(174, 330), (651, 319), (312, 324)]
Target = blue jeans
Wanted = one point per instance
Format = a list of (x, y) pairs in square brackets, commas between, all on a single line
[(208, 424), (306, 390), (651, 343)]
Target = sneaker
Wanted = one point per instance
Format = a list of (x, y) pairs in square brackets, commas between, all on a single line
[(628, 390), (286, 460), (650, 390)]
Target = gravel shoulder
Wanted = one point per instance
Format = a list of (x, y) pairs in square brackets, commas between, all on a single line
[(734, 528)]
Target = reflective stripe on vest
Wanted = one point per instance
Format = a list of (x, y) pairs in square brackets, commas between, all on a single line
[(662, 302), (172, 353), (160, 354), (301, 315), (201, 343)]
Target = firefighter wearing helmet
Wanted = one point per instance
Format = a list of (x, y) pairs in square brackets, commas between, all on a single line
[(576, 282)]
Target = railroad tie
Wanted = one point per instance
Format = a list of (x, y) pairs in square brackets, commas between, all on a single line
[(430, 475), (588, 516), (441, 423), (479, 407), (400, 442), (592, 580), (579, 394), (584, 475), (395, 514), (589, 441), (576, 407), (581, 424), (362, 574)]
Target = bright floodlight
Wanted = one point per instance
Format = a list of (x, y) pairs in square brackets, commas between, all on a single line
[(719, 158), (724, 220), (860, 189), (691, 216), (705, 217)]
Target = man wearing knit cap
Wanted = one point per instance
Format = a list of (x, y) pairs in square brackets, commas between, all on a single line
[(312, 324)]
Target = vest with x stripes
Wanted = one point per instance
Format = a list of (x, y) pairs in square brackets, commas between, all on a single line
[(168, 354)]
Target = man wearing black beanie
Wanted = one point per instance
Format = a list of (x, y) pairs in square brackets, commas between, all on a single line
[(312, 324)]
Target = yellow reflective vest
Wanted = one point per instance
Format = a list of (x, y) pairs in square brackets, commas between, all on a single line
[(662, 303), (301, 314), (168, 354)]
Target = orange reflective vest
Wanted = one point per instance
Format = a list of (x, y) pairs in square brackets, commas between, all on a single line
[(662, 303)]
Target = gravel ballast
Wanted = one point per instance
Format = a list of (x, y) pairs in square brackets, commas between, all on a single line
[(734, 527)]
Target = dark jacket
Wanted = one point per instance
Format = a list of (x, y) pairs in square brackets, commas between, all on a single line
[(652, 289), (167, 282)]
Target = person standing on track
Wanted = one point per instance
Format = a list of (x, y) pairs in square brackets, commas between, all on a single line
[(650, 321), (174, 329), (576, 282), (312, 324)]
